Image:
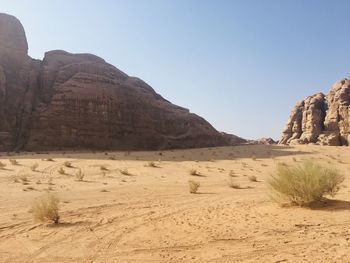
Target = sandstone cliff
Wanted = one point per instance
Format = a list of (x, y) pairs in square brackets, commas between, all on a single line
[(321, 119), (80, 101)]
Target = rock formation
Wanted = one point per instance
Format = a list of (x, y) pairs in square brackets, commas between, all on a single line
[(79, 101), (321, 119)]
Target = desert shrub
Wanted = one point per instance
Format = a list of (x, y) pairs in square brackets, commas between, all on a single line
[(194, 172), (34, 167), (232, 174), (252, 178), (254, 157), (231, 183), (13, 161), (304, 184), (45, 208), (103, 168), (124, 171), (80, 175), (152, 164), (194, 185), (61, 171), (68, 164), (49, 159), (2, 165)]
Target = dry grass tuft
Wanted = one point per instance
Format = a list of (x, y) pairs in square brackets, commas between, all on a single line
[(103, 168), (231, 183), (124, 171), (152, 164), (80, 175), (252, 178), (194, 185), (68, 164), (194, 172), (34, 167), (2, 165), (304, 184), (46, 208), (13, 161), (61, 171)]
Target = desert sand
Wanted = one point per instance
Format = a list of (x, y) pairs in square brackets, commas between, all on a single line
[(150, 216)]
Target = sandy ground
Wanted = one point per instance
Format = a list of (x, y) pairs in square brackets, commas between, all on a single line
[(150, 216)]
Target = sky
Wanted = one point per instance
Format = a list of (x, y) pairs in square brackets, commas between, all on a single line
[(240, 64)]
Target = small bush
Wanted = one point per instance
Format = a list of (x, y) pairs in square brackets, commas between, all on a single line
[(49, 159), (254, 157), (304, 184), (80, 175), (252, 178), (46, 208), (231, 183), (232, 174), (61, 171), (194, 185), (2, 165), (124, 171), (103, 168), (194, 172), (68, 164), (152, 164), (34, 167), (13, 161)]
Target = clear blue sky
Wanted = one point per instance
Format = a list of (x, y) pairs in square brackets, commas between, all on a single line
[(242, 65)]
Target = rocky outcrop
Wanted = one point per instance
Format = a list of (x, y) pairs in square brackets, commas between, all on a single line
[(321, 119), (79, 101)]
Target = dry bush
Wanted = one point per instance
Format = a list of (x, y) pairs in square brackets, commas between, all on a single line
[(152, 164), (231, 183), (194, 185), (49, 160), (252, 178), (124, 171), (304, 184), (34, 167), (232, 174), (45, 208), (254, 157), (2, 165), (194, 172), (103, 168), (80, 175), (13, 161), (68, 164), (61, 171)]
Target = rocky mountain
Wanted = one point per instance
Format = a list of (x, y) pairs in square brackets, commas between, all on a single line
[(321, 119), (69, 101)]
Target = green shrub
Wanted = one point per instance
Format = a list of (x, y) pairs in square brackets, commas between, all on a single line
[(304, 184)]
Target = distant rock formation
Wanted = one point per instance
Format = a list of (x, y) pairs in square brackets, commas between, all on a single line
[(79, 101), (262, 141), (321, 119)]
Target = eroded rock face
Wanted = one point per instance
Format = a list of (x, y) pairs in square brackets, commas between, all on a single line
[(79, 101), (321, 119)]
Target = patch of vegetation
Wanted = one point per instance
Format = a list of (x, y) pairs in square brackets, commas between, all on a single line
[(68, 164), (61, 171), (194, 186), (2, 165), (194, 172), (80, 175), (231, 183), (305, 184), (34, 167), (13, 161), (46, 208), (124, 171), (252, 178)]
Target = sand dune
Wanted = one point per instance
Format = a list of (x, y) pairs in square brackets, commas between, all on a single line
[(150, 216)]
